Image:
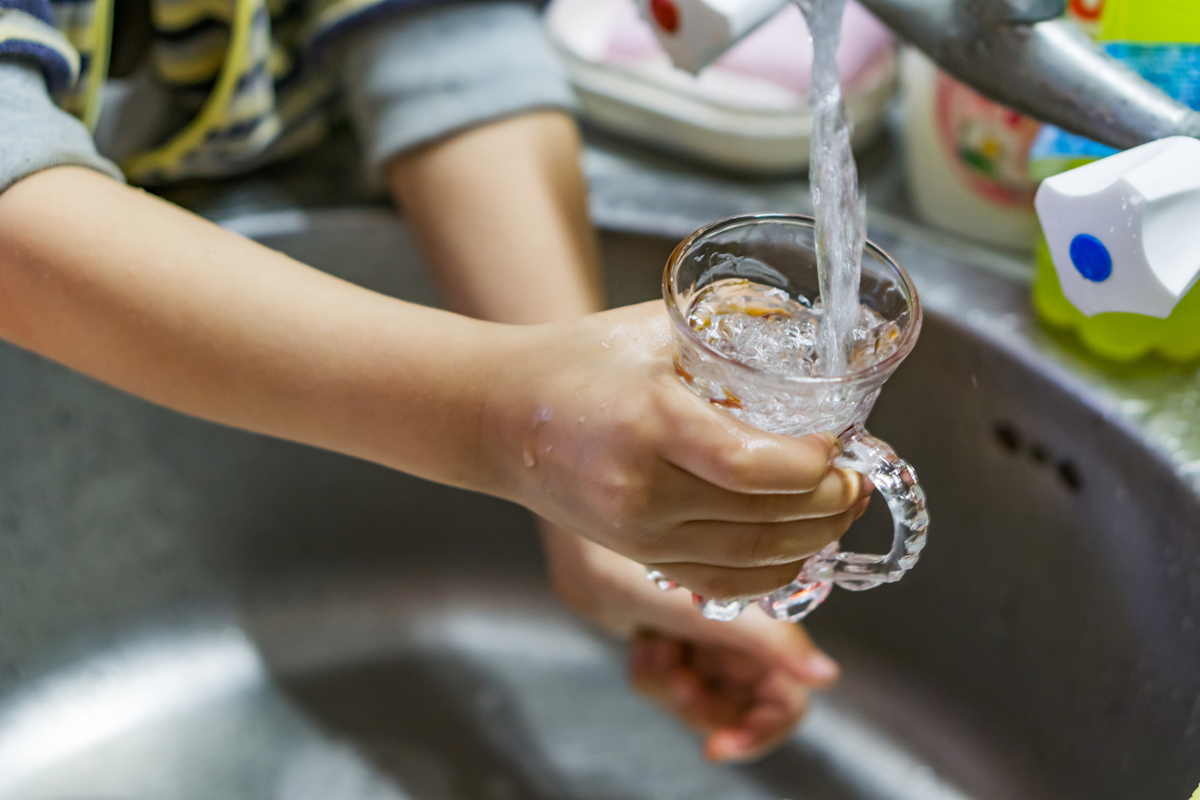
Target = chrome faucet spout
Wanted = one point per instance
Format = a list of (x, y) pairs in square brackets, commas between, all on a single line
[(1017, 53), (1024, 12)]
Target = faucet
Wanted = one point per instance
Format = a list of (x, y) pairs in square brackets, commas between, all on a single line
[(1020, 53), (1023, 54)]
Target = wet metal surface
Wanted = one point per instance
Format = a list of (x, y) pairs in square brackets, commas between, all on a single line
[(386, 694)]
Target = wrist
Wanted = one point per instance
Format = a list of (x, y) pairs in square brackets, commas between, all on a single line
[(515, 402), (471, 379), (412, 394)]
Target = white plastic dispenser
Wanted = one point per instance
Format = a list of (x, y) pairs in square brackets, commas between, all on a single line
[(1124, 232), (696, 32)]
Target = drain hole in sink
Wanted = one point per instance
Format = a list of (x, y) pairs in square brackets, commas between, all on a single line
[(1007, 436), (1069, 475), (1011, 440)]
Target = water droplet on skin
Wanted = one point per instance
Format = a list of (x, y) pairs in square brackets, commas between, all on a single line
[(528, 454), (604, 405)]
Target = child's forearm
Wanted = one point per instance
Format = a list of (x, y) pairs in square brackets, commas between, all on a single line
[(149, 298), (584, 422), (501, 213)]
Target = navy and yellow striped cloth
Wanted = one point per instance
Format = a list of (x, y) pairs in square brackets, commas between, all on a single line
[(245, 69)]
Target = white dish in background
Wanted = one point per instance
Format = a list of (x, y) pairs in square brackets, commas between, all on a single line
[(748, 111)]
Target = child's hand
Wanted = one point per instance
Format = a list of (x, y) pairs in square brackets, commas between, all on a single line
[(743, 683), (745, 704), (590, 427)]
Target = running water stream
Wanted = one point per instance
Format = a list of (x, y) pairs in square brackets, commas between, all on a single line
[(841, 226)]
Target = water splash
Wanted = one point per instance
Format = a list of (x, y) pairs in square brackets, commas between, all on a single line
[(763, 327)]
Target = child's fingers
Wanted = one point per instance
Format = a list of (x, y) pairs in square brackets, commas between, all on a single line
[(658, 672), (746, 714), (768, 642), (652, 660), (746, 706), (742, 545), (764, 725), (695, 701), (688, 497), (724, 451)]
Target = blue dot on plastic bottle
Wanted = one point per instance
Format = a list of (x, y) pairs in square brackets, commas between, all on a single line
[(1091, 258)]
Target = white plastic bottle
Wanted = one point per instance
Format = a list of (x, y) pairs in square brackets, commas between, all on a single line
[(966, 158)]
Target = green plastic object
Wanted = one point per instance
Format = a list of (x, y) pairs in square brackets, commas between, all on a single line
[(1151, 21), (1118, 336)]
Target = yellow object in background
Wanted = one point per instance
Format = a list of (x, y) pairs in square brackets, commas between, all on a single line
[(1150, 21), (1161, 40), (1118, 336)]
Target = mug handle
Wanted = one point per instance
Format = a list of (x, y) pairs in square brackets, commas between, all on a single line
[(897, 483)]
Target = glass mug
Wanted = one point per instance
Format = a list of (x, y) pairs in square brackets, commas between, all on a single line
[(779, 250)]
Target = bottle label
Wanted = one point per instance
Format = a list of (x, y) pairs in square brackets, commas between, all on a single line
[(1086, 14), (987, 143), (1174, 68), (1086, 10)]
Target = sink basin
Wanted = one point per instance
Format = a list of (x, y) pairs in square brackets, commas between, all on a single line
[(195, 612)]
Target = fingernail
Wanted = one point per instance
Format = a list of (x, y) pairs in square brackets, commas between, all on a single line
[(728, 746), (816, 667), (719, 748), (821, 667)]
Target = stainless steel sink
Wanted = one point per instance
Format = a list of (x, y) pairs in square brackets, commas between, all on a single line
[(193, 612)]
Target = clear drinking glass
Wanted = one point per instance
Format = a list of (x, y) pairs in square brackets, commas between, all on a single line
[(779, 250)]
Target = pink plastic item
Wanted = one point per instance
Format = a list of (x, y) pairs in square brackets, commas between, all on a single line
[(779, 52)]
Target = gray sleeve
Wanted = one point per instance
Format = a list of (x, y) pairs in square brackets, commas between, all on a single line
[(34, 133), (418, 77)]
